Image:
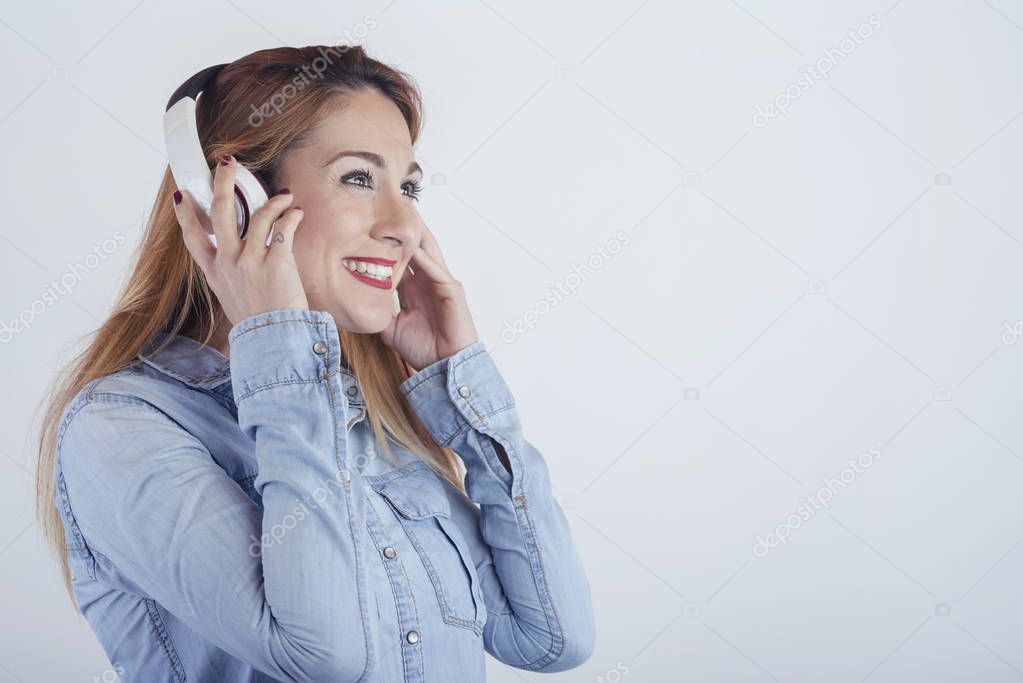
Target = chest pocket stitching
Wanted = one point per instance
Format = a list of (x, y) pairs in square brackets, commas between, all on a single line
[(414, 493)]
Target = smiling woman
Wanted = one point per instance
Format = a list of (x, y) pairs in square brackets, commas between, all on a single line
[(208, 470)]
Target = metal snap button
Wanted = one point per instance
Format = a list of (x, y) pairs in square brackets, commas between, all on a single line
[(320, 348), (390, 553), (412, 636), (352, 391), (464, 392)]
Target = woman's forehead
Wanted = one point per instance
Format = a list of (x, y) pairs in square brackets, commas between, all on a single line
[(366, 118)]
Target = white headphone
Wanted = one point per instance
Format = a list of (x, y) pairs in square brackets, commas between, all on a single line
[(188, 162)]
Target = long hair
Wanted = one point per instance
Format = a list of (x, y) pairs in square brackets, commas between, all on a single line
[(257, 108)]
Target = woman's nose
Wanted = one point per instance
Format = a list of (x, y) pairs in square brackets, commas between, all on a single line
[(399, 222)]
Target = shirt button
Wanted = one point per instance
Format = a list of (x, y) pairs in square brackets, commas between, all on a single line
[(320, 348), (464, 392), (390, 553), (352, 391), (412, 636)]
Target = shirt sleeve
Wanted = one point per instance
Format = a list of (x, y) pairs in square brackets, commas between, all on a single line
[(539, 608), (283, 588)]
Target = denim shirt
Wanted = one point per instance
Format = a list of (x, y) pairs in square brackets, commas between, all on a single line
[(229, 519)]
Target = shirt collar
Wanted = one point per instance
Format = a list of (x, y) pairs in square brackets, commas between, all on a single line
[(204, 367)]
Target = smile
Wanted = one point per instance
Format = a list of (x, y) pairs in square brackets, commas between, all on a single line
[(373, 272)]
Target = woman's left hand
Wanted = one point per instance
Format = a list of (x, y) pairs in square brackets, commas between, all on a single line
[(434, 322)]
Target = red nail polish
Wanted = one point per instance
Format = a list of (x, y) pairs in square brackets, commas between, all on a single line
[(177, 196), (225, 160), (285, 191)]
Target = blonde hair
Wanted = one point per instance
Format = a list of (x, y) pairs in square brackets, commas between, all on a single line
[(166, 292)]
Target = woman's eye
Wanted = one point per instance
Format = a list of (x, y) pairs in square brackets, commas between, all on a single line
[(413, 189), (365, 177)]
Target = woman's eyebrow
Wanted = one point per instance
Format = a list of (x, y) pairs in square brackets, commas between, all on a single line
[(373, 158)]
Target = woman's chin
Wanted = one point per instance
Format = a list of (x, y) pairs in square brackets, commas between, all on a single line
[(364, 321)]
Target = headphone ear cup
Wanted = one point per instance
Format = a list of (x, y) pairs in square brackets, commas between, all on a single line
[(251, 195)]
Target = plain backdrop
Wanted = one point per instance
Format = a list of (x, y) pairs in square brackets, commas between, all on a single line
[(787, 291)]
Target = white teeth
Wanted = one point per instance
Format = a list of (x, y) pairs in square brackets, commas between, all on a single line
[(372, 270)]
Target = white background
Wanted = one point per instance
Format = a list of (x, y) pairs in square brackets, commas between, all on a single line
[(816, 284)]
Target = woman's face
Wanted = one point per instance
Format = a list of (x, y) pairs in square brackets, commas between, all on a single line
[(355, 184)]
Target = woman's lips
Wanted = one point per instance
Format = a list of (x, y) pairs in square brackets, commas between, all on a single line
[(372, 282)]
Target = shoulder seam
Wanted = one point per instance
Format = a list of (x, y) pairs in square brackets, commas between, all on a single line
[(93, 397)]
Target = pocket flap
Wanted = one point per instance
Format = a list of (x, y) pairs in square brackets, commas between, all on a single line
[(414, 491)]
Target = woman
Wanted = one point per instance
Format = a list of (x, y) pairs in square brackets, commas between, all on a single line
[(242, 476)]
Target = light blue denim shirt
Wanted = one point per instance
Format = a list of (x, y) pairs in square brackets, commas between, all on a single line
[(229, 519)]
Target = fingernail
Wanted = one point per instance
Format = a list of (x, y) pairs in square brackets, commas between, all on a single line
[(225, 160), (285, 191), (177, 197)]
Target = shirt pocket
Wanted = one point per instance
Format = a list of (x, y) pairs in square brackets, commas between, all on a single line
[(421, 506)]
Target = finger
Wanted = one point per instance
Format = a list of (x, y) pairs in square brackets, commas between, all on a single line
[(284, 232), (192, 231), (263, 219), (222, 211), (432, 247), (428, 266)]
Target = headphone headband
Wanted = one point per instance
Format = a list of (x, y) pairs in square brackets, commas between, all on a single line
[(195, 85)]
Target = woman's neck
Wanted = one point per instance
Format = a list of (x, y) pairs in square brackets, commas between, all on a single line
[(218, 340)]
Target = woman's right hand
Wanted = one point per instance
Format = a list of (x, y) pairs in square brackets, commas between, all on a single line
[(247, 276)]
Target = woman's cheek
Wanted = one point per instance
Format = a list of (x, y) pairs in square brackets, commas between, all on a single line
[(350, 223)]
